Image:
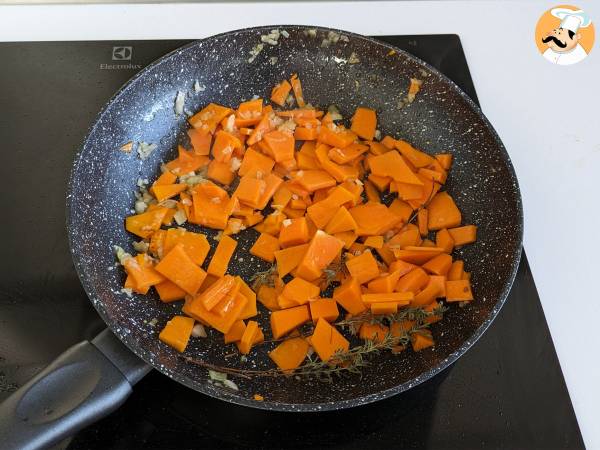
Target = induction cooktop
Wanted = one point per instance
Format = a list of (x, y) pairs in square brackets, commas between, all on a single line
[(506, 392)]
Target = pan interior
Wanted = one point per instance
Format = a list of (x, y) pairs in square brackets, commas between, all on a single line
[(441, 119)]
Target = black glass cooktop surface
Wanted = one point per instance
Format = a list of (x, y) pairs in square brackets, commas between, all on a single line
[(506, 392)]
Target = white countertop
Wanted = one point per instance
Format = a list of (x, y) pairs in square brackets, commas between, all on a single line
[(546, 115)]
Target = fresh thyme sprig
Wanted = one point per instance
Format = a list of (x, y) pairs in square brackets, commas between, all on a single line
[(342, 363)]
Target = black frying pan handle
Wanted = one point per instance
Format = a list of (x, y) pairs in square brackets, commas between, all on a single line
[(84, 384)]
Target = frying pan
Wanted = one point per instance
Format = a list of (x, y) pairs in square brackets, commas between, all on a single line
[(93, 378)]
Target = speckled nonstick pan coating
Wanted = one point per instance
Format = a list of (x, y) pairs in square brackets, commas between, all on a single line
[(442, 119)]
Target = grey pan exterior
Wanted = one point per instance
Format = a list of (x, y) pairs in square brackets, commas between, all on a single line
[(442, 119)]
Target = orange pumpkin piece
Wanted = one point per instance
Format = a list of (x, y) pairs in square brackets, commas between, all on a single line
[(401, 266), (249, 190), (374, 241), (431, 309), (268, 297), (377, 148), (388, 142), (255, 162), (289, 258), (252, 334), (209, 117), (373, 332), (443, 212), (340, 172), (341, 221), (422, 222), (347, 154), (249, 113), (201, 141), (463, 235), (421, 339), (400, 328), (142, 274), (297, 88), (220, 260), (336, 135), (323, 211), (440, 282), (224, 146), (220, 172), (347, 237), (408, 236), (178, 267), (391, 164), (444, 240), (280, 144), (165, 178), (430, 188), (169, 291), (313, 180), (413, 281), (143, 225), (325, 308), (280, 92), (305, 134), (385, 283), (374, 219), (364, 123), (445, 160), (349, 296), (265, 247), (372, 192), (417, 255), (300, 291), (458, 291), (427, 295), (194, 244), (211, 206), (250, 309), (285, 320), (177, 332), (456, 270), (213, 295), (381, 183), (222, 323), (157, 241), (186, 162), (416, 157), (407, 192), (322, 250), (293, 232), (401, 209), (384, 308), (363, 268), (290, 353), (264, 125), (327, 340), (235, 333), (400, 298), (439, 265), (272, 183)]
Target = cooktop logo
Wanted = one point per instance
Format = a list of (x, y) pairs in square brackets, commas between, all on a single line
[(121, 53)]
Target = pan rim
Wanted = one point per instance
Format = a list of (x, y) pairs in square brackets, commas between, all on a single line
[(297, 407)]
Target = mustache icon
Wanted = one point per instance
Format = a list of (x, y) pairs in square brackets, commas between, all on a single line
[(555, 40)]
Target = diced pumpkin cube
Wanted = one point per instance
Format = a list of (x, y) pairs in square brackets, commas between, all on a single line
[(265, 247), (293, 232), (373, 332), (363, 268), (178, 267), (285, 320), (325, 308), (177, 332), (327, 340), (290, 353), (349, 296), (458, 291), (220, 260)]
